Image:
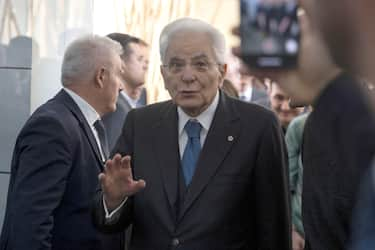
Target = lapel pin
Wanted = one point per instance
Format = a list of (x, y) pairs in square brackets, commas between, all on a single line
[(230, 138)]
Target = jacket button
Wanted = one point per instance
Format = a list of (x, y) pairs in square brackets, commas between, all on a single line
[(175, 242)]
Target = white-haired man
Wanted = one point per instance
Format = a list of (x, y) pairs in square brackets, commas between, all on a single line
[(214, 166), (59, 153)]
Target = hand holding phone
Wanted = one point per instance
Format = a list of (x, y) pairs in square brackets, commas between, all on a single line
[(270, 33)]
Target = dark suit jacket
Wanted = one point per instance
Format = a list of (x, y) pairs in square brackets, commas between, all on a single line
[(363, 228), (54, 177), (114, 121), (238, 198), (338, 145)]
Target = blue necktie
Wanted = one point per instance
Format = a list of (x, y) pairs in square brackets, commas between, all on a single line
[(192, 149)]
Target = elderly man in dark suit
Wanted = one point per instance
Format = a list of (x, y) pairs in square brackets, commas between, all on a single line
[(59, 153), (135, 58), (214, 166)]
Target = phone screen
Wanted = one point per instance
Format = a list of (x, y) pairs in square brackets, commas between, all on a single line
[(269, 33)]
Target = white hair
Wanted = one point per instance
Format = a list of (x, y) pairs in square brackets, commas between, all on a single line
[(187, 24), (84, 54)]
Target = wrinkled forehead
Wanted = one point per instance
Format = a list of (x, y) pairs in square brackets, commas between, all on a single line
[(190, 45)]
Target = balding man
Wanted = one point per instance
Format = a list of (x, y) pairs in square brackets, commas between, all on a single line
[(59, 153)]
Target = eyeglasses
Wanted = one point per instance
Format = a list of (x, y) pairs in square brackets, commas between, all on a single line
[(176, 67)]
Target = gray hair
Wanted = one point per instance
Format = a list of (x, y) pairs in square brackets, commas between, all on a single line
[(83, 56), (187, 24)]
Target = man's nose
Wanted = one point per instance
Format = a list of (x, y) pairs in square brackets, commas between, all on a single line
[(188, 73)]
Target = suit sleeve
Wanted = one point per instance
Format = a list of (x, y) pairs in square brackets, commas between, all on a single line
[(40, 175), (363, 228), (124, 216), (272, 204)]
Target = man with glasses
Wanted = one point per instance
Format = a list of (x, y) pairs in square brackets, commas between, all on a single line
[(214, 166)]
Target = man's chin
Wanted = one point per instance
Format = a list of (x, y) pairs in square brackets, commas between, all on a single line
[(191, 109)]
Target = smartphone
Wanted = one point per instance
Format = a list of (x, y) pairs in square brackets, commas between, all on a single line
[(270, 33)]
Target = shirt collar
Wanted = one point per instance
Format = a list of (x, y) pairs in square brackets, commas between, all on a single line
[(247, 93), (132, 102), (205, 118), (88, 111)]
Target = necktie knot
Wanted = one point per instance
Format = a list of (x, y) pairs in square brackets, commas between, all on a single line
[(99, 126), (193, 129)]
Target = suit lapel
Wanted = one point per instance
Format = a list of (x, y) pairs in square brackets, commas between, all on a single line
[(223, 133), (167, 152), (73, 107)]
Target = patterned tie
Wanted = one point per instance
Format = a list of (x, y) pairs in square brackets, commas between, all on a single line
[(99, 126), (192, 149)]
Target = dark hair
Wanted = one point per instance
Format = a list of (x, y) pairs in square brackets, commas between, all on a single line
[(125, 40)]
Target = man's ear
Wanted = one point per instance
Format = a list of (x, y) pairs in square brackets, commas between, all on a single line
[(100, 76), (223, 71)]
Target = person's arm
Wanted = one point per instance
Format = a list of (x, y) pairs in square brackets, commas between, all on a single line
[(118, 221), (363, 226), (117, 185), (270, 182), (293, 147), (43, 165)]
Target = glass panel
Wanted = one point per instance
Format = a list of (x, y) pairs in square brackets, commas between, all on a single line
[(4, 182), (14, 108), (15, 41)]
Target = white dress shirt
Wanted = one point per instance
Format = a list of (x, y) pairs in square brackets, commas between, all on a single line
[(132, 102), (90, 115), (205, 119), (246, 94)]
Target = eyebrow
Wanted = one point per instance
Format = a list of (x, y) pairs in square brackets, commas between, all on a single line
[(200, 56), (175, 58), (196, 57)]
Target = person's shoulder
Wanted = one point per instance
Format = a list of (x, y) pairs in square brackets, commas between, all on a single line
[(54, 109), (299, 121), (52, 115), (155, 107), (248, 108), (153, 111), (252, 114)]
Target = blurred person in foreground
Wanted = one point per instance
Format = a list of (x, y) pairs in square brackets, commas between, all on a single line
[(339, 137), (350, 36), (352, 25), (135, 59), (59, 154), (214, 166)]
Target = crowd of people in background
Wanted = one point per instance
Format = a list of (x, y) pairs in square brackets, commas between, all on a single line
[(237, 159)]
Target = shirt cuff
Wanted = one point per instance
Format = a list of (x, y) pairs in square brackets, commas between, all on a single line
[(108, 216)]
